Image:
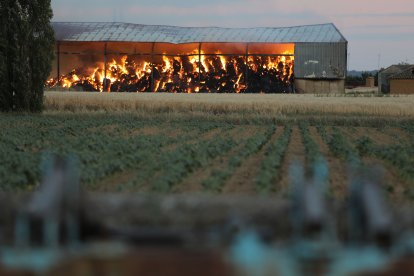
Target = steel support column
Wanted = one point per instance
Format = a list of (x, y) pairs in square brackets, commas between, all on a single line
[(152, 68), (246, 76), (58, 61), (105, 83), (199, 67)]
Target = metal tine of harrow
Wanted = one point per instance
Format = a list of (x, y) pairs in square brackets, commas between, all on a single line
[(72, 204), (57, 200), (296, 180), (309, 206), (321, 174), (34, 207), (49, 200), (370, 212), (315, 215), (46, 203), (22, 231)]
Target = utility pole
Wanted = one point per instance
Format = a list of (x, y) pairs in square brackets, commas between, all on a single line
[(379, 61), (347, 65)]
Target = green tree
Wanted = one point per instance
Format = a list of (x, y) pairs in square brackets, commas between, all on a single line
[(3, 68), (41, 46), (5, 91), (20, 71), (26, 48)]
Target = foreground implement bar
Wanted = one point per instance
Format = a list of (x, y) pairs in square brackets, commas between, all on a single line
[(370, 216), (56, 203), (309, 205)]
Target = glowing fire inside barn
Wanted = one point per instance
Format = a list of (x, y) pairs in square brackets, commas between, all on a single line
[(119, 57)]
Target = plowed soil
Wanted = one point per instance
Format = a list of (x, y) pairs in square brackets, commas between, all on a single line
[(243, 181), (244, 178), (193, 183)]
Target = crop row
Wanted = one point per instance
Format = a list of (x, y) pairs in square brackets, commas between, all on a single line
[(164, 171), (400, 156), (340, 146), (270, 169), (312, 150), (100, 153), (217, 179), (109, 144)]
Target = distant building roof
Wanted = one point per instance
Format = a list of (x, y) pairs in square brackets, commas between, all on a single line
[(126, 32), (406, 74), (396, 68)]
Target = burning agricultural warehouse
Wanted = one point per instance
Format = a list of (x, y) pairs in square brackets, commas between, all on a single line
[(119, 57)]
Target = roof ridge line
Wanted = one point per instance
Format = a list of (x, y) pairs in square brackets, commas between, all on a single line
[(131, 32), (175, 26)]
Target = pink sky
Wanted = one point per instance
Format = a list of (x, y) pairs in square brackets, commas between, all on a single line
[(373, 27)]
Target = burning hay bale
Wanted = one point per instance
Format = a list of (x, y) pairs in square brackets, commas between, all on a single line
[(189, 73)]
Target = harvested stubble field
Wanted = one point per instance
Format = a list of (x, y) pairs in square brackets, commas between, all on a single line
[(211, 143), (242, 104)]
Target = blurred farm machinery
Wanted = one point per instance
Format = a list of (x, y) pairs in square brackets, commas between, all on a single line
[(61, 231)]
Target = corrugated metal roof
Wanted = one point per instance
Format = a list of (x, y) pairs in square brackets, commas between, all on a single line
[(126, 32), (395, 69), (407, 74)]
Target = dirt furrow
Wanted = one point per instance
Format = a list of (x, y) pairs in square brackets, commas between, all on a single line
[(243, 181), (193, 183), (113, 182), (337, 168), (396, 188), (295, 152), (380, 137), (206, 136), (398, 135)]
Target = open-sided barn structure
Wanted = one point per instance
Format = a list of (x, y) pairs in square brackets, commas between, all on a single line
[(132, 57)]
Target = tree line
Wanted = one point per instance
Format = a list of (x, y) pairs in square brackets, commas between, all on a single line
[(26, 53), (359, 80)]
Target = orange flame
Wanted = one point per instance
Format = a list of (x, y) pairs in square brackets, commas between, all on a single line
[(188, 73)]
